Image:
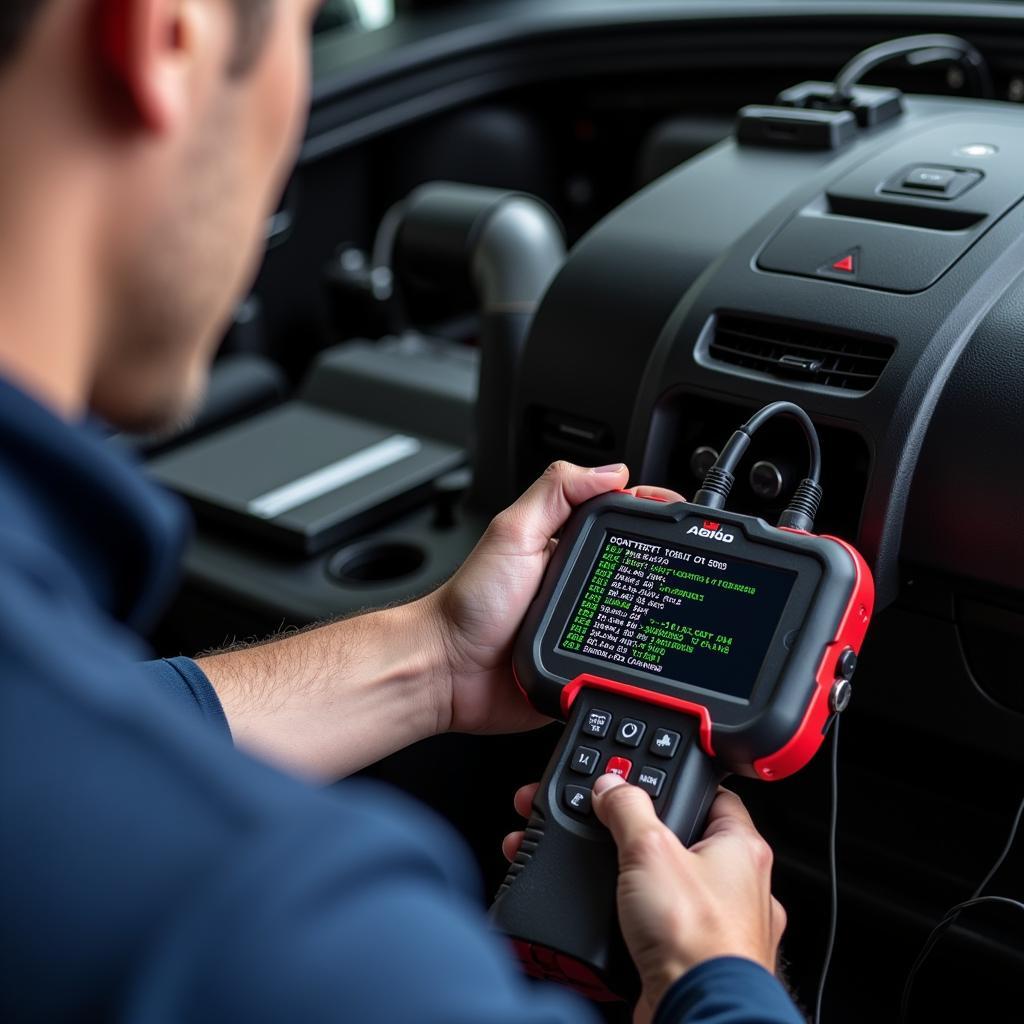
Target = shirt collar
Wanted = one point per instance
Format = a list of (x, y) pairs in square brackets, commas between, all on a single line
[(88, 502)]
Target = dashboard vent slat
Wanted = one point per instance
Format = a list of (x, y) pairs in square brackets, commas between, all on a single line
[(817, 355)]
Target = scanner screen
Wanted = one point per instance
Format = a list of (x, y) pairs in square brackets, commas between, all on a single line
[(690, 615)]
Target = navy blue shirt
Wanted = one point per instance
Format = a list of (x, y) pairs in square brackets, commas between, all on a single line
[(150, 871)]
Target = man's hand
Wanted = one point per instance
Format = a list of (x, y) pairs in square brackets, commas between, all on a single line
[(481, 608), (326, 702), (679, 906)]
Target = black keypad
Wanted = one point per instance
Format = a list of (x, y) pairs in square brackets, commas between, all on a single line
[(630, 732), (665, 743), (584, 760), (577, 799), (645, 750), (596, 723), (650, 779)]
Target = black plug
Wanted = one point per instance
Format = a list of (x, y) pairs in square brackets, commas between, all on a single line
[(718, 481), (803, 506)]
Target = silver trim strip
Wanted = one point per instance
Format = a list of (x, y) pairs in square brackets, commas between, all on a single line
[(329, 478)]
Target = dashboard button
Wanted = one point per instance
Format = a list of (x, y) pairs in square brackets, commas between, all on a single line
[(934, 179), (619, 766), (885, 256), (766, 480), (702, 459), (945, 183), (844, 266)]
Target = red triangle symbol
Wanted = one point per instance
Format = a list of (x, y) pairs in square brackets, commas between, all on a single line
[(845, 264)]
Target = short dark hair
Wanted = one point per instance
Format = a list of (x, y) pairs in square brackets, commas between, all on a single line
[(16, 16)]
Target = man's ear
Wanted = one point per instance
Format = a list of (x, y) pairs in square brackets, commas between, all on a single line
[(147, 47)]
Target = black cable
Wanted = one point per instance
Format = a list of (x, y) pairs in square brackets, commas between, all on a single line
[(718, 481), (937, 932), (951, 915), (1002, 857), (833, 873), (810, 433), (921, 49)]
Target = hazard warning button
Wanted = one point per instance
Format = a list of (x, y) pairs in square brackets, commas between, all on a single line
[(837, 250), (846, 265)]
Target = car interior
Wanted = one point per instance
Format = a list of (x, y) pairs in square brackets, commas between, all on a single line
[(610, 230)]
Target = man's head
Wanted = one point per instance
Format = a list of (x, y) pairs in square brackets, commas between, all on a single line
[(163, 130)]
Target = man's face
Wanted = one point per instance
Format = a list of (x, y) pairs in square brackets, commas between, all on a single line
[(191, 231)]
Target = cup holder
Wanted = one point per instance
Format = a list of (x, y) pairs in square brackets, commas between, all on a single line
[(376, 562)]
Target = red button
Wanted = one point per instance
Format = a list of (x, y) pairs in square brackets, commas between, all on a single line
[(845, 265), (619, 766)]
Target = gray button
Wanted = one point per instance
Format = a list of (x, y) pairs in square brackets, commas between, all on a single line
[(665, 743), (577, 799), (650, 780), (596, 723), (630, 732), (936, 179), (842, 691), (584, 760)]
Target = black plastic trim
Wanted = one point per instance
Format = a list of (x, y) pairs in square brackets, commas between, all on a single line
[(370, 83)]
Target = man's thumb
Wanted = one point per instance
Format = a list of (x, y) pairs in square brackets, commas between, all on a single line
[(545, 507), (626, 810)]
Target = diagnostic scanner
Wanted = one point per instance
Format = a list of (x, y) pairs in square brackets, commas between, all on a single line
[(680, 643)]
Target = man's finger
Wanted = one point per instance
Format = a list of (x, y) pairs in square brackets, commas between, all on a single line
[(626, 810), (728, 814), (663, 493), (542, 511), (523, 800), (510, 845)]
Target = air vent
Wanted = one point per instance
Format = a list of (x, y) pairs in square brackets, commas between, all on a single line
[(815, 355)]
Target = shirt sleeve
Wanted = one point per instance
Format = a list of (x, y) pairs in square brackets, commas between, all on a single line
[(187, 684), (328, 921), (171, 878), (728, 990)]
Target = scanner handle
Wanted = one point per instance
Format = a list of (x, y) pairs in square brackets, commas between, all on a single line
[(558, 900)]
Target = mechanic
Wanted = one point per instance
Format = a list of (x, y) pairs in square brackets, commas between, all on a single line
[(154, 870)]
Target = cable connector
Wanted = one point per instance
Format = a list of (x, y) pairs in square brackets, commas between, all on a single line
[(799, 514), (718, 481), (714, 491)]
